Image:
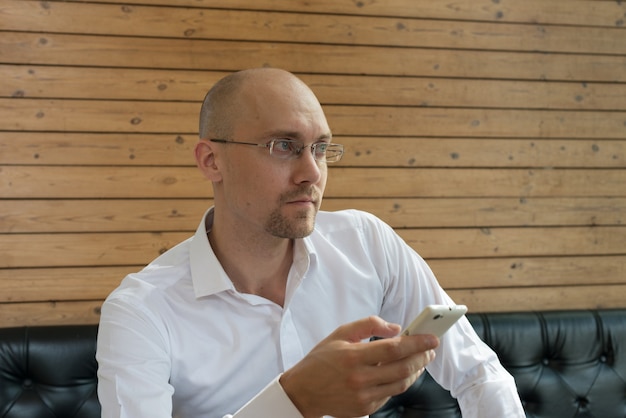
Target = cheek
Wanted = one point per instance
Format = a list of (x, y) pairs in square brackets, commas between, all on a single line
[(253, 180)]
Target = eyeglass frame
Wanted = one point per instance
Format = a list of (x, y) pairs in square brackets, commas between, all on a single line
[(270, 146)]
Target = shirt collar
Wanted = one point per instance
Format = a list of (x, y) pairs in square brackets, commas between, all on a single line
[(207, 274)]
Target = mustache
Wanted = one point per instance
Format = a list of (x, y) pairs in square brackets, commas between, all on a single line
[(311, 192)]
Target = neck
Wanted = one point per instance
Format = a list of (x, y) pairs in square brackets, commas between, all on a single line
[(255, 266)]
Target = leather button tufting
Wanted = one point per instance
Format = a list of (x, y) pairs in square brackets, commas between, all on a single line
[(27, 384), (603, 359), (545, 362), (582, 402)]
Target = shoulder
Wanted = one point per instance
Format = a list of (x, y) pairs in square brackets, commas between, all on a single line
[(349, 220), (171, 269), (351, 227)]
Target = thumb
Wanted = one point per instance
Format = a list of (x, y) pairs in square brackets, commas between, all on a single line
[(366, 328)]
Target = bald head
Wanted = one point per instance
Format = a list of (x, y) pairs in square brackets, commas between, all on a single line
[(223, 104)]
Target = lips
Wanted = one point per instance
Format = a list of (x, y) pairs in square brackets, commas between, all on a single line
[(302, 200), (310, 196), (303, 203)]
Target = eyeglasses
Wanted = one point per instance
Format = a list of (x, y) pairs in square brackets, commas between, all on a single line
[(288, 149)]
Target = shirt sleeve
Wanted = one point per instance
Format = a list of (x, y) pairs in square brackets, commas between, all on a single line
[(493, 399), (134, 370), (474, 375), (133, 364), (464, 364)]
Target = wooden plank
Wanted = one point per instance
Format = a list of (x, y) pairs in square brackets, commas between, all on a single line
[(488, 212), (86, 249), (102, 182), (405, 121), (34, 81), (389, 182), (182, 118), (99, 116), (194, 23), (570, 12), (57, 283), (81, 283), (484, 300), (479, 152), (130, 215), (55, 182), (67, 148), (542, 298), (516, 242), (193, 54), (148, 215), (49, 313), (523, 272), (180, 85), (445, 92), (96, 282), (93, 249)]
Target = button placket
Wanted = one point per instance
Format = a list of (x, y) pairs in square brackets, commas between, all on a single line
[(290, 344)]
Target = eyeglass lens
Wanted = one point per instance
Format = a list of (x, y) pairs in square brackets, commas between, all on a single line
[(289, 148)]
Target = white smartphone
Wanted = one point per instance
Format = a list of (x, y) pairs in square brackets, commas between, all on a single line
[(435, 320)]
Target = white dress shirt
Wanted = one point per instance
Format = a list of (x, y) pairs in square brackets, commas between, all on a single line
[(177, 340)]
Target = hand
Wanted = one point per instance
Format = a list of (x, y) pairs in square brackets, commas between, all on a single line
[(344, 377)]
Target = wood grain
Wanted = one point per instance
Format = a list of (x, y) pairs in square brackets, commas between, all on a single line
[(151, 215), (187, 182), (200, 54), (490, 134), (33, 81)]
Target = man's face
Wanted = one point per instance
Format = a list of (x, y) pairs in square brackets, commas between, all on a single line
[(279, 197)]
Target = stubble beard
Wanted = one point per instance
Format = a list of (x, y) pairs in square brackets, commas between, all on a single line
[(299, 225)]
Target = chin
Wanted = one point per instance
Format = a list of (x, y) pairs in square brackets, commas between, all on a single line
[(302, 233), (291, 227)]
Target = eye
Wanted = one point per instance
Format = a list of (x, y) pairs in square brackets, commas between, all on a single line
[(320, 148), (282, 145), (285, 148)]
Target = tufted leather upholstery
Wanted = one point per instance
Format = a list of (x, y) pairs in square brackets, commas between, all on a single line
[(566, 364), (48, 372)]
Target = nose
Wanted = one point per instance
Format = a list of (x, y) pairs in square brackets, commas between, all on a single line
[(307, 168)]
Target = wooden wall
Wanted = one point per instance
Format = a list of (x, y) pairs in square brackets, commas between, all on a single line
[(490, 134)]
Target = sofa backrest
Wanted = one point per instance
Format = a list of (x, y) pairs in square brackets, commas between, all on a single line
[(565, 364), (48, 372)]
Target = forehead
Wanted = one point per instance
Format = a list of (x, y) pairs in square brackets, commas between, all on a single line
[(279, 105)]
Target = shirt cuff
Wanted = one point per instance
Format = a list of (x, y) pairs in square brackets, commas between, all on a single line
[(271, 402)]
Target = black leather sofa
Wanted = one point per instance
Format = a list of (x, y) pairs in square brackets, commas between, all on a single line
[(566, 364)]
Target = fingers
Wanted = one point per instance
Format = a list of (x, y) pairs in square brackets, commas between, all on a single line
[(342, 376), (403, 371), (396, 375), (370, 388), (366, 328), (391, 349), (384, 350)]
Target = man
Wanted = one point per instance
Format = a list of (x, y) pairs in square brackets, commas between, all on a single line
[(268, 309)]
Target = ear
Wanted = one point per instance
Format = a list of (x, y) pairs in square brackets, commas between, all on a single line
[(206, 161)]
